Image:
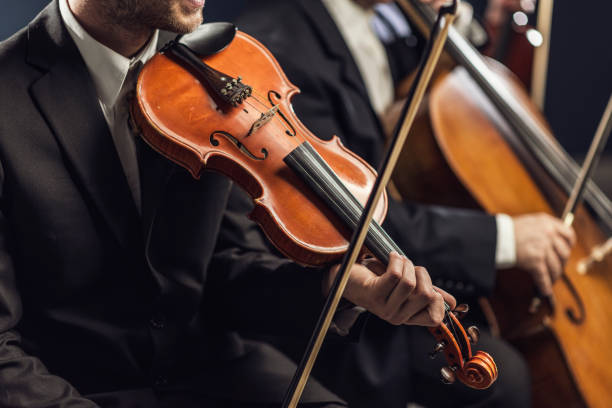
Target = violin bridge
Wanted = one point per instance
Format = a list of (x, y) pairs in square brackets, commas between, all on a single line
[(263, 119)]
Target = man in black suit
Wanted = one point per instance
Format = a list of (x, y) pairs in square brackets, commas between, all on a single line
[(329, 50), (122, 278)]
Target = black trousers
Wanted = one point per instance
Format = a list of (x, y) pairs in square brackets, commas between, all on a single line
[(183, 399), (257, 379), (390, 366)]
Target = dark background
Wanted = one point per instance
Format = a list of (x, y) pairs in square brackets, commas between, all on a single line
[(580, 74)]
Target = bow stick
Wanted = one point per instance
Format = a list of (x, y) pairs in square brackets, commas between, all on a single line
[(593, 155), (595, 151), (429, 60)]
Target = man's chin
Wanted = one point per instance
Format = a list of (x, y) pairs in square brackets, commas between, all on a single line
[(190, 19), (185, 24)]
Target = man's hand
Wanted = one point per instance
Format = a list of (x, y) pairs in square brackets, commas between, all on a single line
[(401, 294), (543, 245)]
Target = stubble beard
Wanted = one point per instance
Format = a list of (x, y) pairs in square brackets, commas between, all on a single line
[(147, 15)]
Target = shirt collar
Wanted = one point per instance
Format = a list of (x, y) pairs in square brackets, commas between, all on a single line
[(355, 25), (107, 67), (348, 14)]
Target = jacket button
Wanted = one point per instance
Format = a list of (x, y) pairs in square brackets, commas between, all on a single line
[(158, 322), (460, 286)]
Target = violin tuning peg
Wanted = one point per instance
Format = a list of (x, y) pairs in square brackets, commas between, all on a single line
[(461, 310), (438, 348), (448, 375), (474, 333)]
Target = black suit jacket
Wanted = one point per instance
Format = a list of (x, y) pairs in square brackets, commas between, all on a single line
[(94, 297), (456, 246)]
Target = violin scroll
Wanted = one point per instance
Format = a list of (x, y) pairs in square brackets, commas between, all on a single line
[(477, 370)]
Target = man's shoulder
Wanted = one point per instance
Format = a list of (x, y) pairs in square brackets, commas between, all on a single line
[(276, 24), (292, 38), (36, 42), (13, 51)]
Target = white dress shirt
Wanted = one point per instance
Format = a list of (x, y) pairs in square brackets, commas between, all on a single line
[(356, 25), (109, 71)]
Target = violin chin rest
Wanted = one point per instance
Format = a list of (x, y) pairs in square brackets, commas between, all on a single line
[(209, 38)]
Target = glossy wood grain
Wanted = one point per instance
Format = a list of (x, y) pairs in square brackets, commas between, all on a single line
[(178, 117), (570, 362)]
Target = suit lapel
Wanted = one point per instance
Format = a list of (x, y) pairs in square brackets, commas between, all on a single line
[(66, 97), (332, 40)]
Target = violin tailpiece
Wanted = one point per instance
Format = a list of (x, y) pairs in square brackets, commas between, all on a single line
[(225, 89)]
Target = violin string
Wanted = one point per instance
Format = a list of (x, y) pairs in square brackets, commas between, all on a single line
[(246, 102), (453, 328), (256, 96), (261, 99)]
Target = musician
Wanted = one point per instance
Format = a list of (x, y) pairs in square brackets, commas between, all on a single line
[(330, 49), (122, 278)]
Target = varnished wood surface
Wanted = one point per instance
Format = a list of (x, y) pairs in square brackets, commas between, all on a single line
[(470, 136), (177, 117)]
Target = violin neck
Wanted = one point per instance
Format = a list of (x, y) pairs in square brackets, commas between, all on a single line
[(317, 174)]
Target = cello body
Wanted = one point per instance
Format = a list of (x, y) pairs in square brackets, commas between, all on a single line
[(483, 144), (464, 154)]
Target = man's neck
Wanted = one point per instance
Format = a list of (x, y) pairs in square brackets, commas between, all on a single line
[(126, 41)]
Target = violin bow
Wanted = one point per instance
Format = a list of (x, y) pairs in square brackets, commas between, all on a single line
[(595, 151), (597, 146), (446, 16)]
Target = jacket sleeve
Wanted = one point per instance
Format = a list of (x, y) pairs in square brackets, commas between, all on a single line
[(24, 380), (456, 246), (257, 289)]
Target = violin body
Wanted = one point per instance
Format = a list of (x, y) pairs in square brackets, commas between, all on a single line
[(471, 158), (178, 117)]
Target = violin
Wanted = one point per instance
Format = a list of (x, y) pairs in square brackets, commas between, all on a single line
[(230, 112), (492, 149)]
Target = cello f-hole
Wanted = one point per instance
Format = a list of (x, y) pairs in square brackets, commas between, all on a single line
[(572, 315)]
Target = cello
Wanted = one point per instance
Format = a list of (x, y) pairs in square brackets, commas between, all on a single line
[(493, 150)]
